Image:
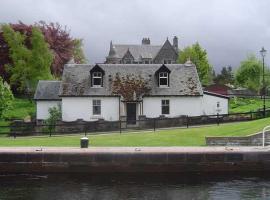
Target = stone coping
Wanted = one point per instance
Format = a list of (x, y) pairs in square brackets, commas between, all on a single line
[(60, 150)]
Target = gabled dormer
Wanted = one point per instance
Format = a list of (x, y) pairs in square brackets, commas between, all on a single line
[(167, 54), (128, 58), (97, 75), (163, 76)]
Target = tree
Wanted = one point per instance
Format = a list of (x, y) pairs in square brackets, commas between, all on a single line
[(249, 73), (78, 53), (61, 44), (130, 87), (54, 116), (28, 65), (225, 76), (6, 97), (198, 56)]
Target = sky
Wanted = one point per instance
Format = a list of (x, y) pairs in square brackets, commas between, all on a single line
[(229, 30)]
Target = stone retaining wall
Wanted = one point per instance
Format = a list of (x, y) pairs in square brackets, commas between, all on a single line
[(132, 160), (250, 140)]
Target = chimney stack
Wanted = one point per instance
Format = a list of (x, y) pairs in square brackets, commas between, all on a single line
[(175, 43), (146, 41)]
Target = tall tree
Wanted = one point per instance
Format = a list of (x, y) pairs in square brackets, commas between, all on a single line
[(225, 76), (62, 45), (249, 73), (198, 56), (78, 53), (28, 64), (6, 97)]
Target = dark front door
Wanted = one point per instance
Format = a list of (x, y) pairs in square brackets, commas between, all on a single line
[(131, 113)]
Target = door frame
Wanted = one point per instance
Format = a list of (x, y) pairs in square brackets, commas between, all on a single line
[(135, 117)]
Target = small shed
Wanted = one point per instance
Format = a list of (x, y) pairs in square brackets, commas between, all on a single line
[(46, 96), (214, 103)]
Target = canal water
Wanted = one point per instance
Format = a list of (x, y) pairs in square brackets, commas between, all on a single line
[(135, 186)]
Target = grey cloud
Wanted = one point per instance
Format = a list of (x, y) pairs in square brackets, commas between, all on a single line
[(227, 29)]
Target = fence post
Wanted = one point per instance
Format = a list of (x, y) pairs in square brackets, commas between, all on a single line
[(85, 130), (250, 115), (218, 119), (120, 126), (187, 118), (50, 130), (154, 124)]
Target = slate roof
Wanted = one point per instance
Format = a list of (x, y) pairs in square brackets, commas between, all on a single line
[(184, 80), (137, 51), (47, 90)]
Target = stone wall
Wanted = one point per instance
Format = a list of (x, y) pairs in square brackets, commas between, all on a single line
[(129, 159), (250, 140)]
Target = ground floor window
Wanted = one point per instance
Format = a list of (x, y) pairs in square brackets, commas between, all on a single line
[(165, 107), (96, 107)]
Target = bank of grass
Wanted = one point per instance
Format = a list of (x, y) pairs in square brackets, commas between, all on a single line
[(21, 109), (239, 105), (172, 137)]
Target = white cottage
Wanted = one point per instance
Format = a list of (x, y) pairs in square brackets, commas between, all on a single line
[(86, 93)]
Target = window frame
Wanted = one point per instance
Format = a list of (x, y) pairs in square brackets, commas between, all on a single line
[(96, 103), (165, 103), (97, 75), (163, 77)]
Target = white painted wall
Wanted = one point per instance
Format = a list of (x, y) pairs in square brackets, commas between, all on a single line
[(74, 108), (191, 106), (43, 108), (209, 105)]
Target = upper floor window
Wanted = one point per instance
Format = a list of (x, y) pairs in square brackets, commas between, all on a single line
[(97, 79), (164, 79), (96, 75)]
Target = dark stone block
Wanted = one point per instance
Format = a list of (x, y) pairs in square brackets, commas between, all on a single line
[(139, 158), (264, 156), (214, 157), (194, 157), (69, 157), (12, 157), (121, 158), (234, 157), (157, 158), (103, 157), (176, 158), (34, 157), (51, 157)]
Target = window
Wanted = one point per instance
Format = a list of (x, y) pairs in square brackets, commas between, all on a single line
[(96, 107), (165, 107), (167, 62), (128, 61), (97, 79), (163, 79)]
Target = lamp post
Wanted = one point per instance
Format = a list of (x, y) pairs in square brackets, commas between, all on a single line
[(263, 53)]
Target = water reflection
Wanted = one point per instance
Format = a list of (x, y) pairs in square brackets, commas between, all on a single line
[(134, 186)]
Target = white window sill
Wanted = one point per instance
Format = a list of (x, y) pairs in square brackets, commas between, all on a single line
[(96, 116), (163, 86), (96, 86)]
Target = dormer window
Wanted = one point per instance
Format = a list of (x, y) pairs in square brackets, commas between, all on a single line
[(163, 79), (97, 74), (97, 79), (163, 76)]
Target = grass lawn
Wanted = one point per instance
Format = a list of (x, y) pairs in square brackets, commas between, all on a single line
[(173, 137), (238, 105), (21, 108)]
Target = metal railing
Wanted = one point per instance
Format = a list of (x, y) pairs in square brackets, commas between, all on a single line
[(20, 128)]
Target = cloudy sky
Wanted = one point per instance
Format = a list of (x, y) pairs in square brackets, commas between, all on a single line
[(227, 29)]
